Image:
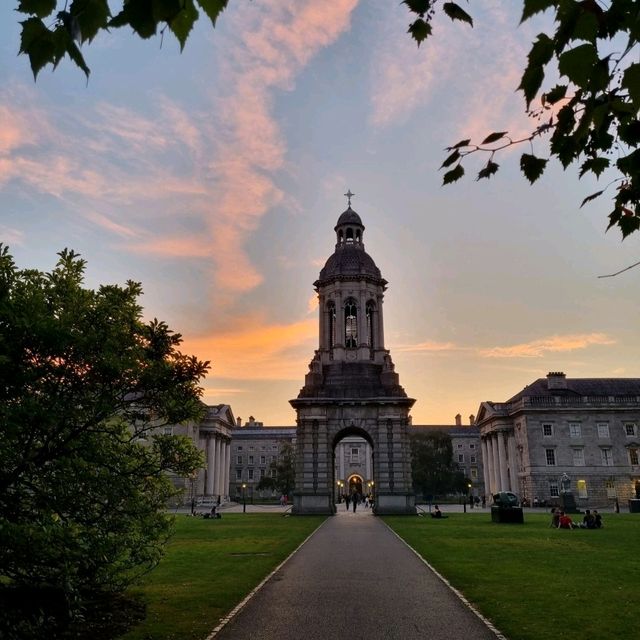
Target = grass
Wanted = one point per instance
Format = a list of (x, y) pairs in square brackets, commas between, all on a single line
[(210, 565), (534, 582)]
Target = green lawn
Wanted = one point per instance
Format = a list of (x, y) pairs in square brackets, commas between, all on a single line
[(210, 565), (534, 582)]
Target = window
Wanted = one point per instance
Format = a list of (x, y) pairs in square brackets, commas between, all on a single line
[(251, 448), (611, 488), (350, 324), (460, 446), (607, 458), (250, 476), (250, 460), (472, 459), (551, 457), (578, 457), (633, 456), (262, 448), (263, 459), (355, 454), (370, 309), (239, 447), (547, 430), (472, 446), (239, 460), (582, 489), (331, 312), (260, 474), (575, 430), (603, 429), (461, 457), (238, 474), (553, 489), (474, 473), (274, 447), (630, 429)]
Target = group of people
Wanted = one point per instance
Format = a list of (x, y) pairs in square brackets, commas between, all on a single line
[(561, 520), (355, 499)]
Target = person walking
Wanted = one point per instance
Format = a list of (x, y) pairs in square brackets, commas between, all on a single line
[(354, 499), (347, 498)]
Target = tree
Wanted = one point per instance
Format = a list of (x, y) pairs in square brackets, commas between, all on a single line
[(85, 388), (432, 465), (590, 119), (281, 476)]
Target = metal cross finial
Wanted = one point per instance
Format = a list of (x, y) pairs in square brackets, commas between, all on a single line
[(349, 196)]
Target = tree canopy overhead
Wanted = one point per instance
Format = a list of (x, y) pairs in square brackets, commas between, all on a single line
[(86, 387), (588, 120)]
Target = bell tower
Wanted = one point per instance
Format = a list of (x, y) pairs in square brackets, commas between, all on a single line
[(352, 387)]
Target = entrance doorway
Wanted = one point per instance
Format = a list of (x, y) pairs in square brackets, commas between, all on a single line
[(353, 464), (355, 485)]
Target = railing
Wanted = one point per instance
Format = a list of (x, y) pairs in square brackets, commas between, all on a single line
[(564, 401)]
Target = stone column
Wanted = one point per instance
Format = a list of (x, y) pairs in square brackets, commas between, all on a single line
[(485, 465), (495, 463), (513, 463), (218, 480), (380, 323), (502, 457), (227, 469), (210, 465), (339, 319), (322, 338), (362, 319), (341, 468)]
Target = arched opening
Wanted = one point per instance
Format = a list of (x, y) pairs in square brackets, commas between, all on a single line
[(370, 311), (340, 237), (331, 313), (349, 235), (353, 465), (350, 324)]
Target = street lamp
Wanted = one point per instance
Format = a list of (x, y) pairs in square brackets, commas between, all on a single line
[(244, 497)]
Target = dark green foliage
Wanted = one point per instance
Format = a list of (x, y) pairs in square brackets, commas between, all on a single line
[(597, 123), (281, 475), (85, 384), (432, 465)]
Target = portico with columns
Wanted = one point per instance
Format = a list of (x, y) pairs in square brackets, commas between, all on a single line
[(214, 439)]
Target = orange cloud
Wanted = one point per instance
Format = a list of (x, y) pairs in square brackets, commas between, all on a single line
[(552, 344), (429, 346), (256, 351)]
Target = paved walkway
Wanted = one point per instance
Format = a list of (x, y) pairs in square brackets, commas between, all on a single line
[(355, 580)]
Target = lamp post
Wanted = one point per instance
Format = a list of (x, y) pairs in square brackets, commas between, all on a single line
[(244, 497), (339, 483)]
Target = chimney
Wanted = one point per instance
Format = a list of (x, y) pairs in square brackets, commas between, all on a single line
[(458, 420), (238, 422), (556, 380), (251, 421), (472, 419)]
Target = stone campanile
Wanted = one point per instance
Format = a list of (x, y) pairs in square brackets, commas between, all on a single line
[(352, 387)]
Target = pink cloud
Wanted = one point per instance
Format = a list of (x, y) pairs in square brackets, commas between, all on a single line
[(552, 344)]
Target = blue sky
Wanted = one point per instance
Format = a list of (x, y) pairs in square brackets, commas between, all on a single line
[(215, 178)]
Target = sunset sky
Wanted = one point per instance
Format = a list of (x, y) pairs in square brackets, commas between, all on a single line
[(215, 177)]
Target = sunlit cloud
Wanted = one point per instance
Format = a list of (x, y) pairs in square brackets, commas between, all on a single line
[(104, 222), (257, 351), (428, 346), (312, 304), (173, 247), (552, 344), (9, 236)]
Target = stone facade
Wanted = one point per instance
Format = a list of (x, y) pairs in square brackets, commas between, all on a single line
[(352, 388), (585, 427)]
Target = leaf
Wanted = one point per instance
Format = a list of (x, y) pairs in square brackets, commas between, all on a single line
[(182, 23), (578, 63), (138, 16), (556, 94), (593, 196), (532, 167), (213, 8), (531, 82), (419, 30), (494, 137), (455, 12), (541, 50), (631, 82), (37, 42), (489, 169), (586, 27), (451, 159), (38, 8), (462, 143), (91, 17), (531, 7), (455, 174), (595, 165)]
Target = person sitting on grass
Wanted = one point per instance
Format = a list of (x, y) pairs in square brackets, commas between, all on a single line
[(436, 513), (597, 520), (555, 518), (566, 522), (589, 521)]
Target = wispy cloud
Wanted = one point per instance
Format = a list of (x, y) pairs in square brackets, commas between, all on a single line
[(9, 236), (552, 344), (256, 350), (429, 346)]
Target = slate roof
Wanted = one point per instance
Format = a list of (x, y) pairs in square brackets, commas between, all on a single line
[(582, 387), (349, 217), (454, 431), (349, 260)]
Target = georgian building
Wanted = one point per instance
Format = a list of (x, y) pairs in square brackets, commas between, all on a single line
[(584, 427)]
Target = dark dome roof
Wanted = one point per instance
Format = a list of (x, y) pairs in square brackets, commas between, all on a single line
[(349, 217), (349, 261)]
